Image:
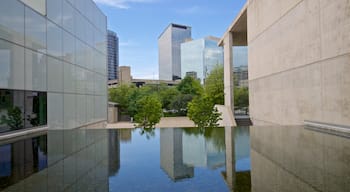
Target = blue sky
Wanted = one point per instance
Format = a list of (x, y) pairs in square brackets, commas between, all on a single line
[(138, 24)]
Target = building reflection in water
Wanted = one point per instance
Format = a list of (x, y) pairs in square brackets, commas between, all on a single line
[(77, 161), (21, 159), (171, 154), (299, 159), (205, 148), (114, 151)]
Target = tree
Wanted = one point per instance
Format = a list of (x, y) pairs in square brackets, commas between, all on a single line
[(149, 111), (241, 97), (180, 103), (168, 96), (190, 86), (13, 119), (121, 95), (214, 85), (202, 112)]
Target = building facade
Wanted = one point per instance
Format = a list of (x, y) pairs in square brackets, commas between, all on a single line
[(53, 64), (200, 56), (241, 76), (299, 60), (113, 55), (169, 51)]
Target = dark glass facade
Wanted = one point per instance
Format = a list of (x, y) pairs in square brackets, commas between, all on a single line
[(22, 109)]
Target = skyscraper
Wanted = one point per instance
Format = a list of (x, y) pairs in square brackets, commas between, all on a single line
[(113, 55), (169, 43), (200, 56)]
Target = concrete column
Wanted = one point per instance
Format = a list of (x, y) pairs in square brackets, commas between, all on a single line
[(228, 71)]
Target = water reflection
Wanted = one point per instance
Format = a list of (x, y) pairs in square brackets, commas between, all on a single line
[(171, 155), (292, 158), (21, 159), (77, 160), (217, 159)]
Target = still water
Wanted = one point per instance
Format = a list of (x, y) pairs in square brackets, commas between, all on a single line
[(188, 159)]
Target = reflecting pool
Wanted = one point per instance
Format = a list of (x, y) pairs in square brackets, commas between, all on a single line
[(177, 159)]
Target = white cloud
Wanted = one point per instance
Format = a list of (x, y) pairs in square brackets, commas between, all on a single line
[(122, 4)]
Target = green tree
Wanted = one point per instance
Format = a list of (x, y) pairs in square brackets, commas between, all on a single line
[(202, 112), (168, 96), (190, 86), (241, 97), (13, 119), (214, 85), (121, 95), (149, 111), (180, 103)]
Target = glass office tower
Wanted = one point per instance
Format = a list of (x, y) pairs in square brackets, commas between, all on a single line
[(52, 64), (200, 57), (169, 51), (113, 55)]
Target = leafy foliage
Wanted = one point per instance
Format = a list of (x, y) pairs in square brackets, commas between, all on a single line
[(241, 97), (168, 96), (180, 103), (214, 85), (149, 111), (121, 95), (190, 86), (202, 112), (13, 119)]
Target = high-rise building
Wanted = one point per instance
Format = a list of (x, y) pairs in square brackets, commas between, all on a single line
[(169, 50), (113, 55), (200, 56), (52, 64)]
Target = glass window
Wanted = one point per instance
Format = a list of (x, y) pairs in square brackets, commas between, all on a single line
[(35, 31), (81, 109), (11, 110), (11, 66), (54, 75), (54, 11), (68, 47), (90, 107), (81, 80), (68, 17), (35, 70), (55, 110), (69, 78), (54, 40), (69, 108), (22, 109), (37, 5), (12, 21), (35, 109)]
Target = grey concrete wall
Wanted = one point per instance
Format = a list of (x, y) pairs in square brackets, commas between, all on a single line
[(299, 61)]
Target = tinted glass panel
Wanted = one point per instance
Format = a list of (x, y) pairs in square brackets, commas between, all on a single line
[(22, 109), (35, 109)]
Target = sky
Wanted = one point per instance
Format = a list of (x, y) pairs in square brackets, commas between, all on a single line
[(138, 24)]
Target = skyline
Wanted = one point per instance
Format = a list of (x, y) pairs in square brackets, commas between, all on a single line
[(143, 21)]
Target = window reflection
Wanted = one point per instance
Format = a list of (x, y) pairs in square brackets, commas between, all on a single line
[(22, 109)]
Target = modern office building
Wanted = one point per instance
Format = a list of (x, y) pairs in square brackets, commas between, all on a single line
[(169, 51), (200, 56), (52, 64), (299, 61), (241, 76), (113, 55)]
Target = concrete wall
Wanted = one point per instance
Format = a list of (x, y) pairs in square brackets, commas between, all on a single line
[(299, 60)]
